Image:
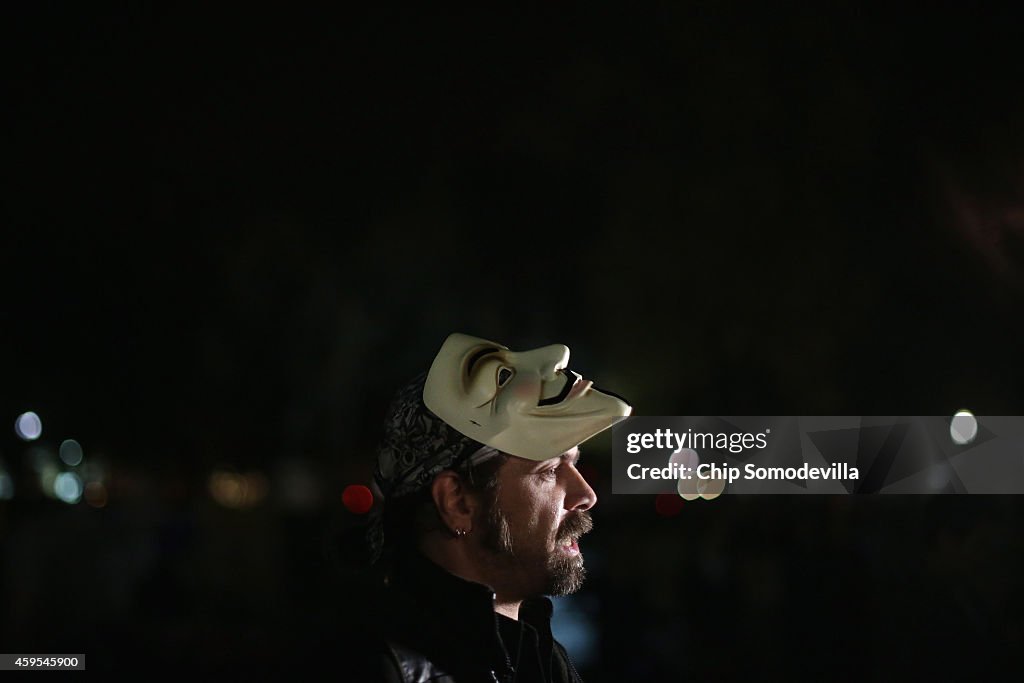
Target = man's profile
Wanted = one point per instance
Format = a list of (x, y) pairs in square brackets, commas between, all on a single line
[(483, 508)]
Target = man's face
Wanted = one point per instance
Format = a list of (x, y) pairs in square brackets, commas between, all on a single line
[(532, 527)]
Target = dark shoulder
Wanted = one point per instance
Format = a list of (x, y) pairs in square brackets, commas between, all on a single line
[(389, 653), (376, 660), (408, 665), (562, 668)]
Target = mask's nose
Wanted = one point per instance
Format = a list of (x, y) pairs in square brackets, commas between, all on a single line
[(547, 359)]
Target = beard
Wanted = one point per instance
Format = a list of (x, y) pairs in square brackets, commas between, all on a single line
[(536, 568)]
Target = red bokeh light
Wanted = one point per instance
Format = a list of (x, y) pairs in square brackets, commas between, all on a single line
[(668, 504), (357, 498)]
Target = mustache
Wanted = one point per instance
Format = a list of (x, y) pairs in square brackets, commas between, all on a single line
[(575, 525)]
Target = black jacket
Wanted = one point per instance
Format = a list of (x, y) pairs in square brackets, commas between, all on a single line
[(437, 627)]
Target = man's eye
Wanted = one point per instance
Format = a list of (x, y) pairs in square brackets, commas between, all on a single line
[(549, 473), (504, 375)]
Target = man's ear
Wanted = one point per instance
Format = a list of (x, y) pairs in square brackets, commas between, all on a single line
[(455, 504)]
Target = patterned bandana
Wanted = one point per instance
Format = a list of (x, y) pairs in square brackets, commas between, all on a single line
[(417, 445)]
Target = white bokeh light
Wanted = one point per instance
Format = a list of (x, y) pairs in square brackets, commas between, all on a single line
[(68, 487), (28, 426), (687, 457), (963, 428), (710, 488), (687, 488)]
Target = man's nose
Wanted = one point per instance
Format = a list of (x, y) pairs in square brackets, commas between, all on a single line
[(579, 494)]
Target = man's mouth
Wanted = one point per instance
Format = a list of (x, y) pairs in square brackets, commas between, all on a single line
[(570, 531), (571, 547)]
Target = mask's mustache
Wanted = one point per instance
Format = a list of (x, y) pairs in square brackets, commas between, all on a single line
[(575, 525)]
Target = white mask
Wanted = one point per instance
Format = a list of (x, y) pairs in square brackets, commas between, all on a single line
[(526, 403)]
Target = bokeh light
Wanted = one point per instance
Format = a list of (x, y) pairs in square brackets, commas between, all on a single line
[(71, 452), (67, 486), (668, 505), (226, 489), (357, 499), (96, 494), (236, 491), (256, 487), (963, 428), (48, 479), (710, 488), (687, 457), (687, 487), (28, 426)]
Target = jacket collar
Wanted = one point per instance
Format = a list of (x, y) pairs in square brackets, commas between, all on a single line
[(442, 612)]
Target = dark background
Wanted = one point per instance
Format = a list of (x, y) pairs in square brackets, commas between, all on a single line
[(228, 238)]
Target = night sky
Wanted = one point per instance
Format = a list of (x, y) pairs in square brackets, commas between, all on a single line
[(229, 237)]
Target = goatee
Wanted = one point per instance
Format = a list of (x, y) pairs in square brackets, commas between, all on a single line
[(566, 572)]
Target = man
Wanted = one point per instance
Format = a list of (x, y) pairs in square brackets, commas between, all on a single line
[(483, 511)]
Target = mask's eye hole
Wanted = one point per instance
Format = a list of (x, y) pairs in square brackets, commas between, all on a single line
[(504, 375)]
